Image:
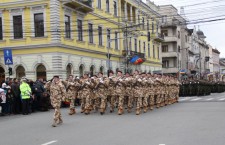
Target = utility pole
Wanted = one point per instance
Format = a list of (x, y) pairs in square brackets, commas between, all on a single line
[(126, 42)]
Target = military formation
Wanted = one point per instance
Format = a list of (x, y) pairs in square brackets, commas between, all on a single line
[(140, 91), (197, 87)]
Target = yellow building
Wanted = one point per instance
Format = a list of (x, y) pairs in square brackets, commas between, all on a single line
[(62, 37)]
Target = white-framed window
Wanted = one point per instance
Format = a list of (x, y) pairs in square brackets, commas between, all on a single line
[(90, 32), (115, 8), (116, 41), (99, 4), (1, 26), (67, 27), (100, 41), (107, 6), (80, 29), (38, 21), (17, 23), (165, 63), (108, 38)]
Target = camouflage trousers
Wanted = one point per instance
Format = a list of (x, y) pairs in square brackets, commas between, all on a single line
[(72, 106), (151, 101), (57, 115), (112, 101), (86, 103), (142, 102), (120, 101)]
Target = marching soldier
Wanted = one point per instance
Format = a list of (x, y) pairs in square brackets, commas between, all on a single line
[(57, 94), (120, 90), (71, 88), (101, 86), (85, 91), (129, 92), (111, 91)]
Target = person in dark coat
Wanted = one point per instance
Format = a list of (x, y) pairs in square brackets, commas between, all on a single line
[(17, 104)]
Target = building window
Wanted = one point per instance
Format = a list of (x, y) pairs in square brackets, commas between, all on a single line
[(144, 47), (143, 22), (153, 51), (135, 44), (130, 44), (1, 33), (178, 34), (80, 30), (165, 48), (99, 4), (157, 28), (165, 63), (139, 45), (148, 50), (107, 6), (139, 19), (148, 25), (158, 52), (116, 41), (39, 25), (108, 38), (67, 26), (178, 49), (152, 27), (90, 29), (115, 8), (186, 39), (17, 27), (100, 36), (165, 32)]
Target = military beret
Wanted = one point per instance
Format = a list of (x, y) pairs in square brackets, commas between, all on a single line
[(120, 71), (111, 72), (100, 73), (56, 76)]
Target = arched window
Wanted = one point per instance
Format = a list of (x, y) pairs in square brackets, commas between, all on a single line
[(92, 70), (81, 70), (2, 74), (101, 69), (20, 72), (41, 72), (69, 70)]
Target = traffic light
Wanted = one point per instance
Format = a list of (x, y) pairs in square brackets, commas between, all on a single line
[(10, 71), (149, 36)]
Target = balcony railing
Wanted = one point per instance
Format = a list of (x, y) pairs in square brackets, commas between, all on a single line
[(80, 5), (158, 37)]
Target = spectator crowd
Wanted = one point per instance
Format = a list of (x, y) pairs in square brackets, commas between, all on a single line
[(23, 96)]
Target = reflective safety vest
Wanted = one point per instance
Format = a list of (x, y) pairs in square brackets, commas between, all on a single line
[(25, 90)]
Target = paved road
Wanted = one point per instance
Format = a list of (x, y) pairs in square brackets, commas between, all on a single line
[(217, 97), (192, 123)]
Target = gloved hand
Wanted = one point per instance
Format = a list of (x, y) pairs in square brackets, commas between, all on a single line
[(139, 80), (120, 80), (88, 83)]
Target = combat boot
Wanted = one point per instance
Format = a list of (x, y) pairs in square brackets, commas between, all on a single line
[(158, 105), (129, 110), (54, 124), (60, 121), (138, 111), (151, 107), (120, 111), (102, 111), (111, 109), (87, 111), (72, 111), (145, 109)]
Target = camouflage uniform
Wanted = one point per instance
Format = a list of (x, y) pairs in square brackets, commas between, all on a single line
[(129, 93), (57, 94), (101, 92), (85, 95), (71, 88), (151, 93), (138, 93), (120, 91), (111, 92), (145, 92)]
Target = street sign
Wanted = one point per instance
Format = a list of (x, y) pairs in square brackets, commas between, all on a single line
[(8, 56)]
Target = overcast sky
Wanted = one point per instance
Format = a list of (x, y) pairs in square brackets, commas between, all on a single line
[(204, 10)]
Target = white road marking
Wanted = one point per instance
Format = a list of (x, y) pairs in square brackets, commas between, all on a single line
[(162, 144), (222, 99), (48, 143), (209, 99), (196, 99)]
